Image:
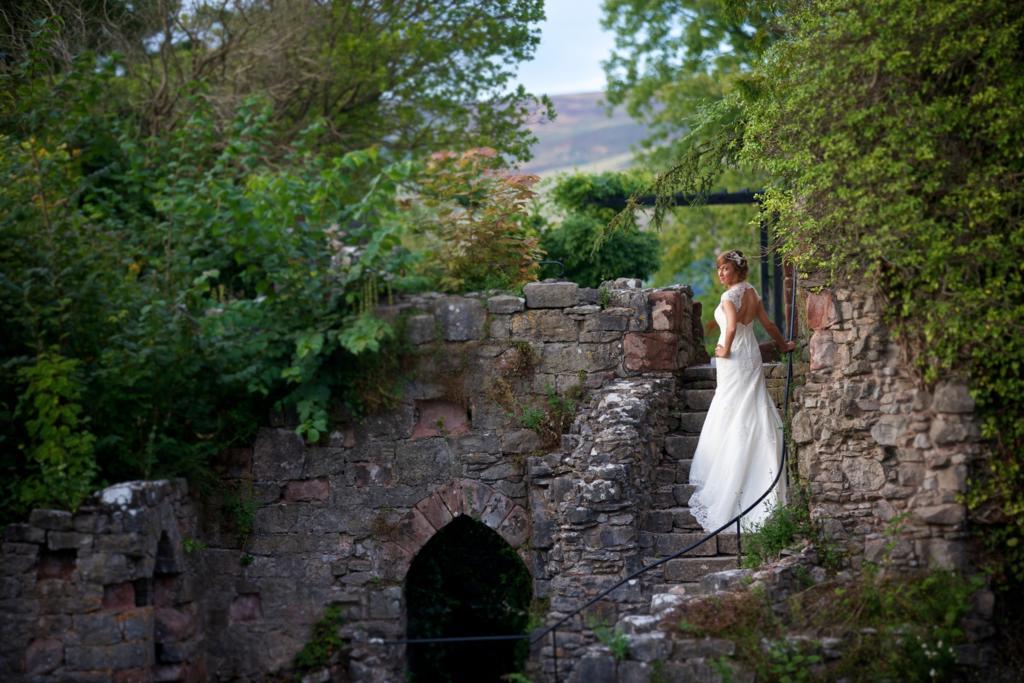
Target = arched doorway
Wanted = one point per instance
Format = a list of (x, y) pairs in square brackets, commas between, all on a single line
[(466, 581)]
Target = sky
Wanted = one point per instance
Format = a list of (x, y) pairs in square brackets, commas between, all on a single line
[(572, 46)]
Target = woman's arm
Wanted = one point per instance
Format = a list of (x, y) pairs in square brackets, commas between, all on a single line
[(780, 342), (722, 351)]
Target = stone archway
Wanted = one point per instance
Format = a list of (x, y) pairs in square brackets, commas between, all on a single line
[(432, 513)]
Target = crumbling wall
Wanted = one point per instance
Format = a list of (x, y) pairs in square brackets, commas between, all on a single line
[(104, 594), (877, 449), (339, 522)]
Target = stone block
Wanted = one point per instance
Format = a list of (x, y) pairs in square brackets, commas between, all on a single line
[(24, 533), (520, 441), (421, 329), (608, 320), (43, 656), (703, 648), (550, 294), (423, 461), (55, 520), (595, 668), (435, 511), (462, 319), (669, 544), (699, 373), (174, 624), (681, 446), (100, 628), (692, 423), (667, 312), (516, 527), (682, 493), (821, 310), (682, 518), (544, 325), (948, 515), (650, 351), (440, 418), (952, 397), (134, 676), (305, 491), (822, 351), (504, 304), (649, 647), (863, 474), (122, 656), (245, 608), (950, 429), (698, 399), (688, 569), (414, 530), (278, 455)]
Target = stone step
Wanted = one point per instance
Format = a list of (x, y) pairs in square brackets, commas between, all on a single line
[(669, 472), (703, 384), (656, 545), (680, 446), (687, 569), (691, 422), (699, 373), (698, 399)]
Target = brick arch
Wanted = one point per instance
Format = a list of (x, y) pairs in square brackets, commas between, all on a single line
[(434, 512)]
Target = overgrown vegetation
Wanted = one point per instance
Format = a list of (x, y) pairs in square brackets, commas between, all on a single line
[(888, 628), (788, 526), (325, 644), (177, 263)]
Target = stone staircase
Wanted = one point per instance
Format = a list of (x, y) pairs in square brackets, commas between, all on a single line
[(669, 526)]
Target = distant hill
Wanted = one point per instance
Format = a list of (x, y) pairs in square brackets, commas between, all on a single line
[(583, 137)]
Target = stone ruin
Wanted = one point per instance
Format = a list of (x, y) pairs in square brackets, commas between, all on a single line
[(148, 583)]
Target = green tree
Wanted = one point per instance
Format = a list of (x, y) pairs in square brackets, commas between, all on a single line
[(571, 241), (408, 77), (673, 58)]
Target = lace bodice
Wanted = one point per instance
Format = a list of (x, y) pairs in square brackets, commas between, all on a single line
[(735, 294)]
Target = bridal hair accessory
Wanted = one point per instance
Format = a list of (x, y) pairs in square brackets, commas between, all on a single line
[(736, 257)]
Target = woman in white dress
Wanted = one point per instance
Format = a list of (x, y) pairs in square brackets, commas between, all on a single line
[(740, 446)]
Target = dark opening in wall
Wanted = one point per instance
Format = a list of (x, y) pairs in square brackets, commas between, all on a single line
[(56, 564), (466, 581)]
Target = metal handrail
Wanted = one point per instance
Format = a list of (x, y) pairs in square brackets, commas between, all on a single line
[(553, 628)]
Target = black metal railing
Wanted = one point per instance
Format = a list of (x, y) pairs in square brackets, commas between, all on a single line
[(540, 634)]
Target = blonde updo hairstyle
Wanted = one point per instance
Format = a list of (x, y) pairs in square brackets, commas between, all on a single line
[(737, 259)]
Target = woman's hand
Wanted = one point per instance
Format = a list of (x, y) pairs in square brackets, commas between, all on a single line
[(786, 346), (720, 352)]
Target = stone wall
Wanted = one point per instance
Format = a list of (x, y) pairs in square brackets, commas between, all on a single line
[(105, 594), (339, 522), (876, 448), (110, 593)]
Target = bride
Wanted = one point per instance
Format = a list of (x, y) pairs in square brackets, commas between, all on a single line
[(740, 446)]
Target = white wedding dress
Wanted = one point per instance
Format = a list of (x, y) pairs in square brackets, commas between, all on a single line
[(740, 446)]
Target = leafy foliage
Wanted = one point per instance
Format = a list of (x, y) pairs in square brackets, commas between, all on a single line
[(169, 292), (408, 78), (324, 644), (476, 225), (675, 58), (578, 240), (60, 446)]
